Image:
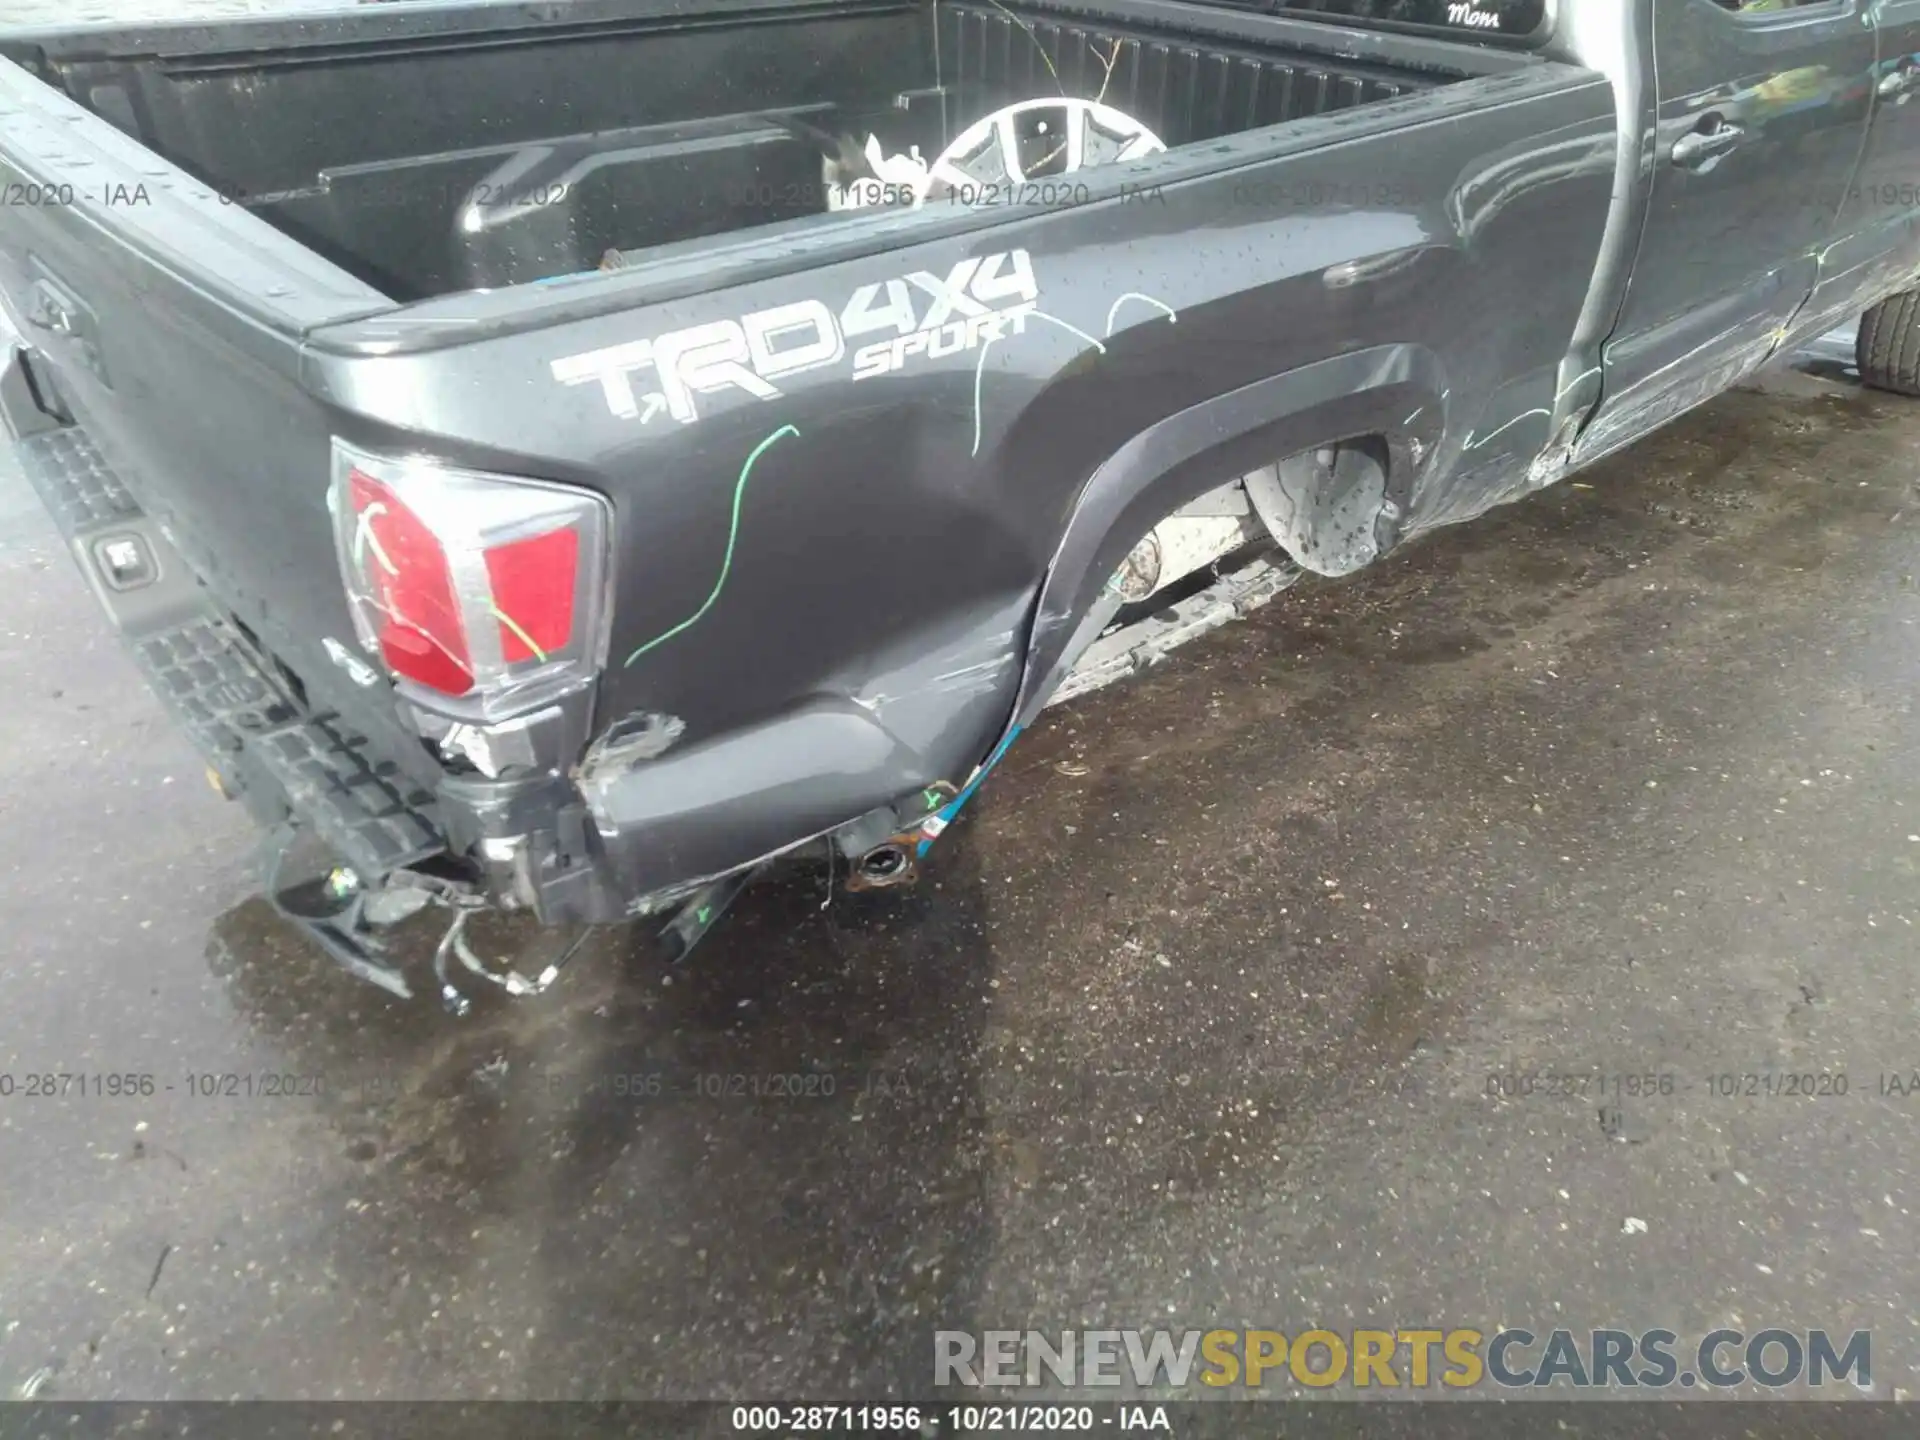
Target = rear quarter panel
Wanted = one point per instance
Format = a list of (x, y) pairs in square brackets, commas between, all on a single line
[(895, 532)]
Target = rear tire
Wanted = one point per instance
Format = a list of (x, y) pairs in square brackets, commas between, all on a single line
[(1888, 348)]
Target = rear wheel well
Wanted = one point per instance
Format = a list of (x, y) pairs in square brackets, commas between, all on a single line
[(1322, 505), (1354, 398)]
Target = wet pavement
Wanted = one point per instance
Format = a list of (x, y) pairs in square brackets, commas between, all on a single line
[(1192, 1024)]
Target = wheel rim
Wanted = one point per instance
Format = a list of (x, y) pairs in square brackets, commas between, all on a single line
[(988, 152)]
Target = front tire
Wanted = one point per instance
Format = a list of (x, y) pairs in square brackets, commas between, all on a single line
[(1887, 349)]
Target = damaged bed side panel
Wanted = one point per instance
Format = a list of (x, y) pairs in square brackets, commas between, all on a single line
[(667, 810), (830, 547)]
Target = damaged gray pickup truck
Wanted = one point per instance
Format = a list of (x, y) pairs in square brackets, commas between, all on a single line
[(562, 456)]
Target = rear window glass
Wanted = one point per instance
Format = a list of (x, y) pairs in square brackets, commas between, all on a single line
[(1485, 17)]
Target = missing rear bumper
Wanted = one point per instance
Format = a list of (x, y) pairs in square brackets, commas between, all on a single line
[(354, 922)]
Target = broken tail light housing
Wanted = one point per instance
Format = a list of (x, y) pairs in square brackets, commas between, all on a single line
[(483, 595)]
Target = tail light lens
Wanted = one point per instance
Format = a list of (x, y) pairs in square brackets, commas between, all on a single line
[(481, 589)]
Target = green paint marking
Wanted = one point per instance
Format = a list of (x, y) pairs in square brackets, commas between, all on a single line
[(705, 911), (525, 639), (733, 534)]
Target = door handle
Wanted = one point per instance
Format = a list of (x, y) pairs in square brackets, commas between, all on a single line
[(1697, 147)]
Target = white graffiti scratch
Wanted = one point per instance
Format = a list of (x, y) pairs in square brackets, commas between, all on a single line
[(1172, 317), (1561, 393), (980, 365), (1471, 444), (364, 539), (31, 1386)]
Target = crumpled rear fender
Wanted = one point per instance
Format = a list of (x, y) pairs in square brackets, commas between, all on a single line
[(1395, 392)]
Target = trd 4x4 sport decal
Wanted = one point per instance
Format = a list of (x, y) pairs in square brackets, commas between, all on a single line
[(921, 314)]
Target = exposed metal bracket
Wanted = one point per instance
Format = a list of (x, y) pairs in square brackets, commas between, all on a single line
[(331, 910)]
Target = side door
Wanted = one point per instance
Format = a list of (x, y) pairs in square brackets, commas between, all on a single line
[(1877, 235), (1762, 116)]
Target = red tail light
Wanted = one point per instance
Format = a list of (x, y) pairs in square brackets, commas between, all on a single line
[(469, 585), (532, 583), (408, 585)]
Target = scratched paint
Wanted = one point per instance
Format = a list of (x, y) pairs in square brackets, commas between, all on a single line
[(644, 736), (1113, 311), (726, 560), (980, 365)]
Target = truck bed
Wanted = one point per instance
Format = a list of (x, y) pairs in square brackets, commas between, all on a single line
[(428, 164), (1330, 250)]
